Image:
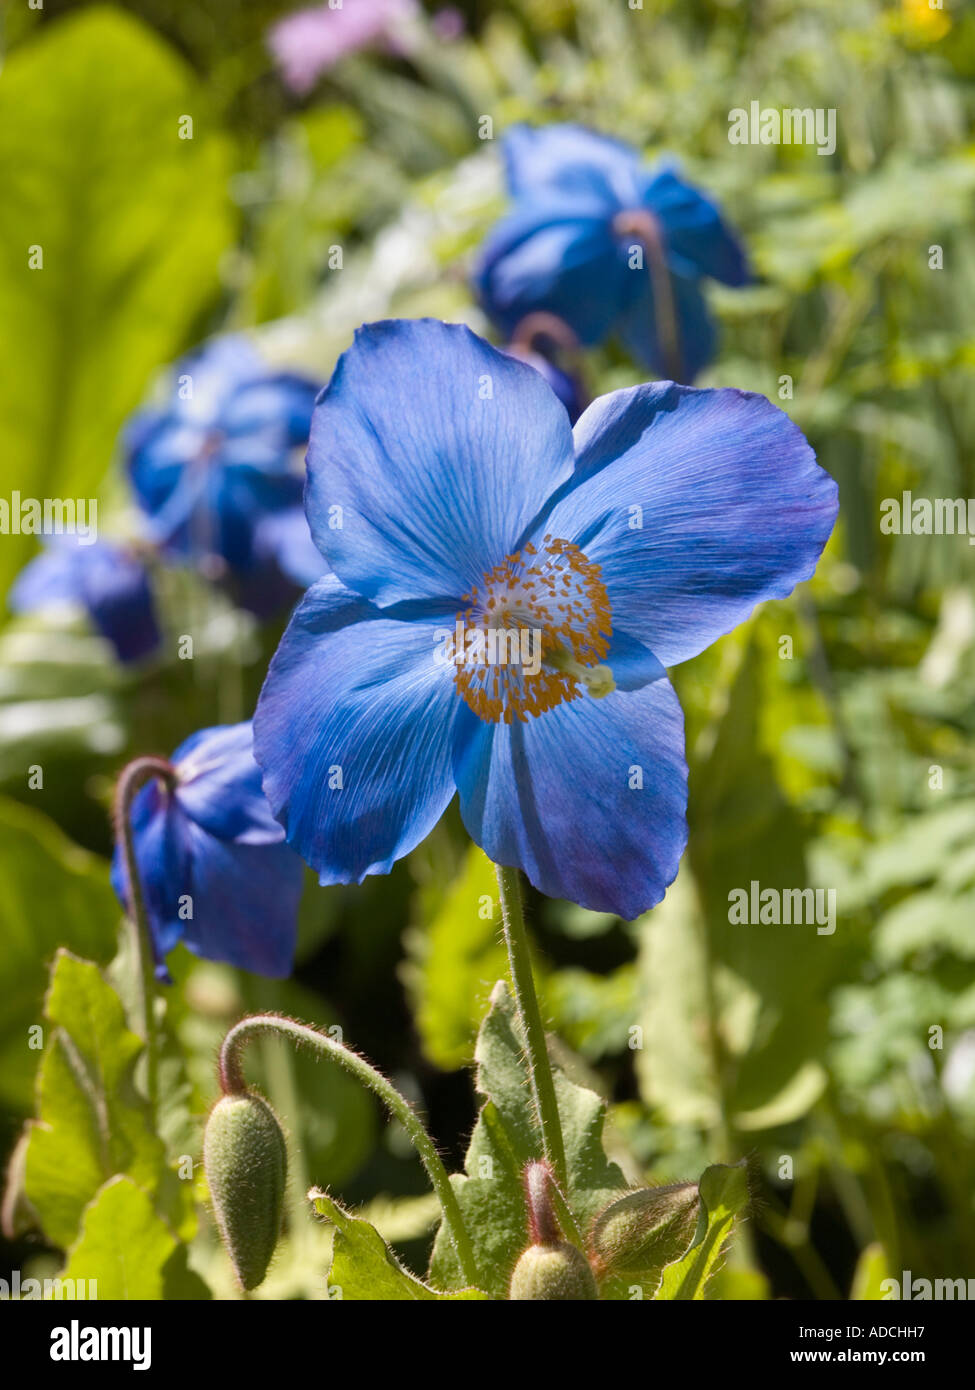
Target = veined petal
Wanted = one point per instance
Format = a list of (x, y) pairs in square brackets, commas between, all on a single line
[(244, 903), (589, 799), (697, 505), (438, 449), (352, 731), (220, 786)]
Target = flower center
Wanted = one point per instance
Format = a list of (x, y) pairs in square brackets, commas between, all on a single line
[(534, 634)]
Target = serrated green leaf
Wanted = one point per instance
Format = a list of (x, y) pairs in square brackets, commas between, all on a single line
[(364, 1268), (92, 1123), (131, 221), (504, 1140), (724, 1198), (128, 1250)]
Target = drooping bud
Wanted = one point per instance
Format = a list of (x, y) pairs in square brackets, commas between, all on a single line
[(646, 1229), (246, 1165), (555, 1271)]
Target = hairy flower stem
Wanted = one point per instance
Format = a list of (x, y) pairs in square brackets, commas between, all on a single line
[(539, 1067), (645, 227), (232, 1083), (132, 778)]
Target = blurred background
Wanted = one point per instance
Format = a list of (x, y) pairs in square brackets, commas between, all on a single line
[(843, 1065)]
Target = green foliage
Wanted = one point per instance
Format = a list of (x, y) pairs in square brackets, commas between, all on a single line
[(54, 894), (504, 1140), (92, 1123), (363, 1266), (127, 1250), (130, 220), (456, 957), (844, 763), (724, 1198)]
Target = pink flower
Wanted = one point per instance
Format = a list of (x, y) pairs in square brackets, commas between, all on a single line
[(310, 41)]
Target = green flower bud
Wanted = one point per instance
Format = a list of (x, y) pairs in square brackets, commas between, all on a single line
[(647, 1229), (246, 1165), (552, 1271)]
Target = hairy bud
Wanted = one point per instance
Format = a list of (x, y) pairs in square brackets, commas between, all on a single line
[(647, 1229), (553, 1271), (246, 1166)]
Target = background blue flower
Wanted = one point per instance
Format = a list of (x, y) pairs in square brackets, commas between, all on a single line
[(213, 843), (581, 203), (110, 582), (481, 506), (220, 456)]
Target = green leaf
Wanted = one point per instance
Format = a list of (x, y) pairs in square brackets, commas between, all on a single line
[(453, 961), (54, 893), (504, 1140), (131, 221), (92, 1123), (873, 1268), (734, 1011), (363, 1266), (724, 1197), (128, 1250)]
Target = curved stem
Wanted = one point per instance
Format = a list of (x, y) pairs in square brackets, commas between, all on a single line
[(549, 1216), (645, 227), (232, 1082), (540, 1069), (133, 777)]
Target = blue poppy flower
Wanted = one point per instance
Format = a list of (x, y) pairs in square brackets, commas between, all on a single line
[(608, 554), (223, 453), (214, 868), (608, 245), (110, 582)]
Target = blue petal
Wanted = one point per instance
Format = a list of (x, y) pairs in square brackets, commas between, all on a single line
[(215, 370), (567, 387), (694, 228), (162, 852), (555, 796), (284, 538), (245, 903), (573, 160), (695, 328), (735, 510), (546, 257), (437, 450), (352, 731), (111, 584), (281, 402), (220, 786)]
